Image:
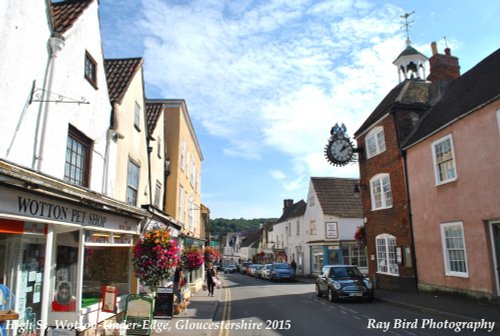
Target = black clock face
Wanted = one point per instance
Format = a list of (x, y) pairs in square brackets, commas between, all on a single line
[(340, 151)]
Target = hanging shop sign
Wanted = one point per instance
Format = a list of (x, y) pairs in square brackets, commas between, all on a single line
[(35, 207)]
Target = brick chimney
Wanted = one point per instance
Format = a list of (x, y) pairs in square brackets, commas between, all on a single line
[(443, 67), (287, 203)]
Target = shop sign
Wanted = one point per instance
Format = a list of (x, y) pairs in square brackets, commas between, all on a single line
[(20, 203), (331, 230)]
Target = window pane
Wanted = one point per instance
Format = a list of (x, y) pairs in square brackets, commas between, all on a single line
[(104, 265)]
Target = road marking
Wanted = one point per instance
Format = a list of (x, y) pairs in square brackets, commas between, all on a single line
[(226, 313)]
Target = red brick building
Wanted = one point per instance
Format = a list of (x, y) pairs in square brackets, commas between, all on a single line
[(382, 163)]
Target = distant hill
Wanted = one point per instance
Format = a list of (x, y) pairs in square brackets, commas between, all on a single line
[(219, 226)]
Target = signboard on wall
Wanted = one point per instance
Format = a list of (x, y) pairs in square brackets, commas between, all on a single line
[(40, 208), (331, 230)]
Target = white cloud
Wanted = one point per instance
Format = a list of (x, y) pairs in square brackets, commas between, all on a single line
[(274, 75), (277, 174)]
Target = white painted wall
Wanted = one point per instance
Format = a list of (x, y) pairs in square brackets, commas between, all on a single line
[(25, 60), (24, 30)]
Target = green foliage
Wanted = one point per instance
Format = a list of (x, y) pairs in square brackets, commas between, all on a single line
[(219, 226)]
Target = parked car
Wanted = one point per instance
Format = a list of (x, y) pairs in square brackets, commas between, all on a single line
[(244, 266), (251, 269), (281, 271), (265, 272), (258, 271), (218, 266), (343, 282), (230, 269)]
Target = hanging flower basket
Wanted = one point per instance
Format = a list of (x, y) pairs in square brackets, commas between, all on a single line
[(154, 257), (211, 255), (192, 259), (360, 235)]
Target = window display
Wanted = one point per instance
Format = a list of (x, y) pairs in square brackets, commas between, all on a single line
[(22, 258)]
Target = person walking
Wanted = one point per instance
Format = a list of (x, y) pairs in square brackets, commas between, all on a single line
[(211, 278), (294, 266), (178, 279)]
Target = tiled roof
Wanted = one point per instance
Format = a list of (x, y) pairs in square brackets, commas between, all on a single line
[(65, 13), (119, 74), (381, 109), (476, 87), (411, 92), (153, 112), (250, 240), (337, 196), (294, 210)]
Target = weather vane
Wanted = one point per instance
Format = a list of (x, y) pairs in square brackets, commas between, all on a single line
[(406, 25)]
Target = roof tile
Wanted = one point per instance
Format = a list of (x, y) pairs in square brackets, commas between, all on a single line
[(119, 74), (337, 196), (65, 13)]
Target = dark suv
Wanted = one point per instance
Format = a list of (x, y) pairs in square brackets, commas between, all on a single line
[(343, 282)]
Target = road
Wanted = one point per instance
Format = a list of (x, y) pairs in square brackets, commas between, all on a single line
[(261, 307)]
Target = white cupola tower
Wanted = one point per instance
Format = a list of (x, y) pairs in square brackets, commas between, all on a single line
[(410, 63)]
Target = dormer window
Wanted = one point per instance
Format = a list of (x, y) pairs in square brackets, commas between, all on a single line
[(375, 142)]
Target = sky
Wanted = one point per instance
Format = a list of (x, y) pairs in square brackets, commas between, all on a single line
[(265, 81)]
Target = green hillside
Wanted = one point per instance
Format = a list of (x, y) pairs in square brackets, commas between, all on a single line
[(219, 226)]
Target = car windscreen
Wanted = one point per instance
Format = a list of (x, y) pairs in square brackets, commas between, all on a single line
[(345, 272), (281, 266)]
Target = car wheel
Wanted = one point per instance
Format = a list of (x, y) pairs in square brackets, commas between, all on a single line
[(331, 295), (318, 291)]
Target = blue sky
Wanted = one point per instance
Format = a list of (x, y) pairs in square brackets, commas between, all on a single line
[(265, 81)]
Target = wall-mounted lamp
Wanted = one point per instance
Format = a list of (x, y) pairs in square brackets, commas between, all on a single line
[(358, 186)]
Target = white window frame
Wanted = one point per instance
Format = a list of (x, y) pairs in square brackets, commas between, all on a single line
[(448, 270), (437, 175), (137, 116), (312, 228), (389, 256), (130, 185), (378, 136), (385, 191)]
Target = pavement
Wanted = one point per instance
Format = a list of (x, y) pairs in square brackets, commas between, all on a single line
[(203, 308)]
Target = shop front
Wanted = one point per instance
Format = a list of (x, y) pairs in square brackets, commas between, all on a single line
[(56, 253), (333, 253)]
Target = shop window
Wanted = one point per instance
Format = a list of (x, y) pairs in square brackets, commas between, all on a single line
[(22, 260), (106, 262), (355, 255)]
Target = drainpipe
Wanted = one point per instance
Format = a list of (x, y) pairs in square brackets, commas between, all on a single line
[(56, 44)]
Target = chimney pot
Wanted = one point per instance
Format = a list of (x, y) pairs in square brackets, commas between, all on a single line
[(447, 51), (434, 48), (287, 203)]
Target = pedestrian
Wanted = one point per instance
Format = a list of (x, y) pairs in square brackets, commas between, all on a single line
[(294, 266), (178, 283), (211, 278)]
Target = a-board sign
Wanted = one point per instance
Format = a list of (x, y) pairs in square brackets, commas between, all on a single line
[(164, 303), (139, 314), (108, 297)]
